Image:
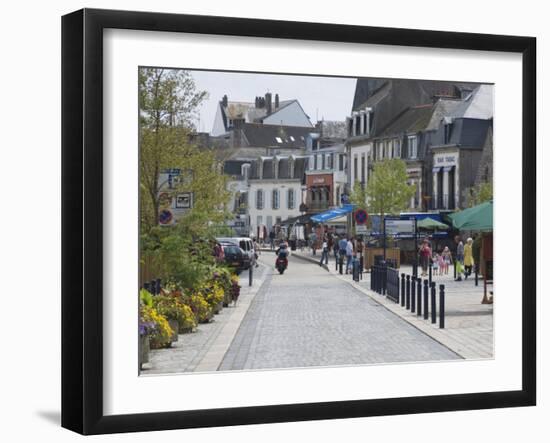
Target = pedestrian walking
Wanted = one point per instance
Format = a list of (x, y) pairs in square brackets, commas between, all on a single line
[(272, 239), (447, 259), (335, 248), (324, 253), (468, 258), (460, 251), (349, 254), (342, 245), (425, 256), (435, 261)]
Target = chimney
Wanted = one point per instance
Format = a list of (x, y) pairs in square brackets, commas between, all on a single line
[(276, 101), (268, 103), (224, 101), (257, 102)]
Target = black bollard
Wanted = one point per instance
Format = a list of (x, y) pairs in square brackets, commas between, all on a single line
[(426, 290), (403, 289), (454, 269), (250, 275), (476, 276), (408, 299), (441, 306), (430, 274), (341, 264), (413, 294), (419, 296), (433, 302), (361, 264)]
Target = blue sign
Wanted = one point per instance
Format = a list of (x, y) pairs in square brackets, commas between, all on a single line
[(361, 216)]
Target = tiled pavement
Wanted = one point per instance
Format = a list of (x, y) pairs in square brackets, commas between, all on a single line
[(204, 349), (468, 323), (307, 317)]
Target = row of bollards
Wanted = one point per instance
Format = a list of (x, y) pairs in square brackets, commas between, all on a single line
[(420, 301)]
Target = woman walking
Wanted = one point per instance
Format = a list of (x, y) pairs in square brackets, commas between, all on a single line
[(468, 258), (447, 259), (425, 256)]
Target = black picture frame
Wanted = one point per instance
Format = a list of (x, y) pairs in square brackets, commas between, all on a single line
[(82, 231)]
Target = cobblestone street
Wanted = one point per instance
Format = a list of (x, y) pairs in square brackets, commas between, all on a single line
[(307, 317)]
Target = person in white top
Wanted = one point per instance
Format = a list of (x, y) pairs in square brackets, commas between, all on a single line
[(324, 252), (349, 254)]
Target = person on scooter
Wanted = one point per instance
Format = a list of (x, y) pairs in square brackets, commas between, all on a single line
[(282, 253)]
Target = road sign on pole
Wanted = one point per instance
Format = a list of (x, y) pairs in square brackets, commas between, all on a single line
[(361, 216)]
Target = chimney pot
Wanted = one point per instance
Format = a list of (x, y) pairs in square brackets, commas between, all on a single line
[(268, 103)]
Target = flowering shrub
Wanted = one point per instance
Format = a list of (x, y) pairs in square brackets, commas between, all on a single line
[(161, 332), (201, 308), (235, 288), (173, 307), (213, 293)]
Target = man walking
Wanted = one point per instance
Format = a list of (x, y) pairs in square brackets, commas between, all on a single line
[(272, 238), (342, 245)]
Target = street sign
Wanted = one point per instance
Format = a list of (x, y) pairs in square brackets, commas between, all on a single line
[(394, 227), (361, 229), (165, 217), (361, 216)]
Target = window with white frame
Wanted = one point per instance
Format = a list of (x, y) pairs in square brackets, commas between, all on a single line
[(318, 161), (311, 162), (388, 149), (413, 146), (397, 148), (290, 199), (259, 199), (275, 199), (380, 149)]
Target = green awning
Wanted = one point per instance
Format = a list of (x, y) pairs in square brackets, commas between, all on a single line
[(478, 218), (429, 224)]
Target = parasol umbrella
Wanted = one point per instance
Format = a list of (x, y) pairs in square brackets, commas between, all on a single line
[(429, 224), (477, 218)]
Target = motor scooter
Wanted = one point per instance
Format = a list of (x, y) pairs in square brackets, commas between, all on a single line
[(281, 264)]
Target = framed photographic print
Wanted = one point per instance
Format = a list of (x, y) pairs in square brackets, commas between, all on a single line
[(341, 245)]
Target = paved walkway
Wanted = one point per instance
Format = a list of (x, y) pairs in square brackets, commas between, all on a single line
[(468, 323), (307, 317), (203, 350)]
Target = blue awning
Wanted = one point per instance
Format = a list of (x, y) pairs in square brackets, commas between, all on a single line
[(333, 213)]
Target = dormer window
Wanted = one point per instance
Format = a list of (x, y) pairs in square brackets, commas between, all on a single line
[(413, 146), (447, 133)]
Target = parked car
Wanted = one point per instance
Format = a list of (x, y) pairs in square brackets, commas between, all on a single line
[(235, 257), (245, 243)]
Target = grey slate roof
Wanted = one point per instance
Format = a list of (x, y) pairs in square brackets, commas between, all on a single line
[(259, 135), (393, 96), (414, 119)]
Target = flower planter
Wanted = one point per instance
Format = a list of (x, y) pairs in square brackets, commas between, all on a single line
[(143, 349), (174, 325)]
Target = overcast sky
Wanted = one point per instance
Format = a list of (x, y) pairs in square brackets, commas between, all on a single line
[(330, 98)]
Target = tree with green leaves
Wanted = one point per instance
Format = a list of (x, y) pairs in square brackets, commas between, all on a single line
[(480, 193), (168, 103), (387, 191)]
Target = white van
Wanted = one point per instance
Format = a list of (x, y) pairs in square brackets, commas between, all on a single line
[(245, 243)]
